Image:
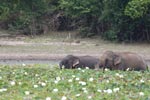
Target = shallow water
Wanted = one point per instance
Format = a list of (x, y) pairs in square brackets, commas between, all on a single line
[(20, 62)]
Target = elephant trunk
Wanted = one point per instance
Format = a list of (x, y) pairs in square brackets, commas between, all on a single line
[(60, 65), (103, 64), (103, 69), (147, 68)]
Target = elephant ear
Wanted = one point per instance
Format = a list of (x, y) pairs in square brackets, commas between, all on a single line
[(117, 60), (75, 62)]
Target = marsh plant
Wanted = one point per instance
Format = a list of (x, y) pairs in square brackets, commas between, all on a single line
[(40, 82)]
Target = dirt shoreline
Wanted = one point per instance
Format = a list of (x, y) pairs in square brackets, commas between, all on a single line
[(48, 48)]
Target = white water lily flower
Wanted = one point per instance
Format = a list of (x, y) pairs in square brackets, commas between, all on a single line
[(117, 74), (38, 78), (35, 86), (83, 71), (13, 72), (142, 81), (86, 67), (25, 73), (58, 78), (106, 69), (70, 80), (73, 76), (141, 94), (0, 77), (27, 92), (89, 97), (55, 90), (12, 83), (3, 90), (107, 81), (23, 65), (36, 75), (19, 83), (82, 82), (109, 91), (99, 90), (39, 82), (77, 79), (127, 69), (83, 88), (48, 98), (121, 76), (64, 98), (116, 89), (85, 91), (55, 82), (77, 95), (91, 79), (104, 91), (43, 84), (79, 68)]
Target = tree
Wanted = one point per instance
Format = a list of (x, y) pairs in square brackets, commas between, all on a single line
[(137, 8)]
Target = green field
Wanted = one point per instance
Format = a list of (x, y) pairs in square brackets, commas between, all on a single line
[(40, 82)]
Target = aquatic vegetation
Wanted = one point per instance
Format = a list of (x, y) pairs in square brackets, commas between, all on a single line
[(38, 82)]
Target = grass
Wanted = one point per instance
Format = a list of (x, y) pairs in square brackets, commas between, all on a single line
[(38, 82)]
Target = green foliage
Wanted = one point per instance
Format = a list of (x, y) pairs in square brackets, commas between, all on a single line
[(22, 13), (87, 11), (40, 81), (137, 8), (122, 20), (111, 35), (114, 19), (81, 7)]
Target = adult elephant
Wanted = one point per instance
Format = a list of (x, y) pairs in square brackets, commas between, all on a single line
[(122, 61), (71, 62)]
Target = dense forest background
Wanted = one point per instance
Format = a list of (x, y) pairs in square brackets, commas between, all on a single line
[(115, 20)]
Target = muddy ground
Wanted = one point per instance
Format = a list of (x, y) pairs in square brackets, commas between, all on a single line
[(55, 46)]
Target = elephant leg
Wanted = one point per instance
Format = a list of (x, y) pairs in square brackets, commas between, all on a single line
[(96, 66), (122, 66)]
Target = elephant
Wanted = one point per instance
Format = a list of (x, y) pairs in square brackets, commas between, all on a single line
[(122, 61), (72, 62)]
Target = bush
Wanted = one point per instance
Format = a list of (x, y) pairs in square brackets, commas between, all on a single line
[(110, 35)]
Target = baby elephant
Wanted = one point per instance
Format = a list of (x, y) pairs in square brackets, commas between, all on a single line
[(123, 61), (72, 62)]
